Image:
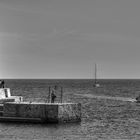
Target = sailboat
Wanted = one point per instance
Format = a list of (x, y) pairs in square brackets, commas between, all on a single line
[(96, 84)]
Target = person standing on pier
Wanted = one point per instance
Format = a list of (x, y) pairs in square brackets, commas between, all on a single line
[(53, 94), (1, 83)]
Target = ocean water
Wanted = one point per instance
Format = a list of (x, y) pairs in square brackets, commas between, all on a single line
[(108, 112)]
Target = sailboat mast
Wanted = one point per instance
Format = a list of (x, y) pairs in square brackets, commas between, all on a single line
[(96, 84), (95, 74)]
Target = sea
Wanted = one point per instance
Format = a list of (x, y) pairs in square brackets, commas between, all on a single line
[(108, 112)]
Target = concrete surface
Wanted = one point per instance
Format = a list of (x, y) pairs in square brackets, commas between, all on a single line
[(57, 112), (5, 96)]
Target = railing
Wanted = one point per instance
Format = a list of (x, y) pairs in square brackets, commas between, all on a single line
[(55, 94)]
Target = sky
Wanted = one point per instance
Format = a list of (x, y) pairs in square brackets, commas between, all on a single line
[(65, 38)]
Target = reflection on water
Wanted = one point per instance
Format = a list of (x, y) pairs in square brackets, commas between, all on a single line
[(37, 131)]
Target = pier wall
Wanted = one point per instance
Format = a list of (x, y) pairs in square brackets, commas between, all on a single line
[(69, 112), (47, 112)]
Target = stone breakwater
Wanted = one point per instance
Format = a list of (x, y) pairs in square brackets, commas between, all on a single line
[(125, 99), (13, 108), (42, 112)]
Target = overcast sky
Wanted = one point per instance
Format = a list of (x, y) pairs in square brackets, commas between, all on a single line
[(65, 38)]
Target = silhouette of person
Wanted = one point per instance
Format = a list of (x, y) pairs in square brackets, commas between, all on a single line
[(53, 95), (1, 83)]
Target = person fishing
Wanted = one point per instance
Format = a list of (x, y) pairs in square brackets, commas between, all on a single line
[(2, 83), (53, 94)]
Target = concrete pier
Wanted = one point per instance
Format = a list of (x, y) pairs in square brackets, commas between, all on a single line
[(43, 112), (5, 96), (12, 108)]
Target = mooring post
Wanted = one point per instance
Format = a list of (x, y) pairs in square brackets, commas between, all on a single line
[(61, 94)]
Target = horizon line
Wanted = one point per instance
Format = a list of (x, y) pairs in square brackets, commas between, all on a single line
[(72, 78)]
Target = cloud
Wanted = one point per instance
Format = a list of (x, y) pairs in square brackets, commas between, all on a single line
[(10, 34), (21, 36), (19, 8), (62, 32)]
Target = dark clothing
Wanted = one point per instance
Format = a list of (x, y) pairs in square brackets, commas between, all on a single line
[(53, 96), (138, 99), (2, 84)]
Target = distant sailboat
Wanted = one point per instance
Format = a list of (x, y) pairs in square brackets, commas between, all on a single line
[(96, 84)]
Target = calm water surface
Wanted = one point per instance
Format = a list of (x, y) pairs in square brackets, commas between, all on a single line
[(101, 118)]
